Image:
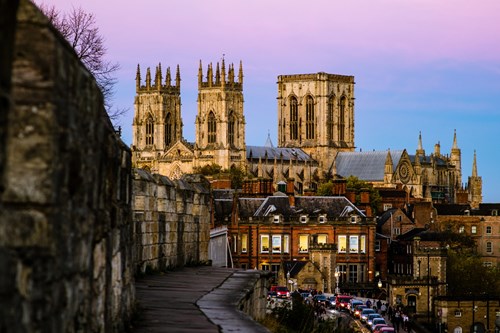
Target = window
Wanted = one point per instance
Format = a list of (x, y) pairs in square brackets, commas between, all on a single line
[(230, 129), (303, 218), (212, 128), (341, 130), (342, 272), (264, 267), (342, 244), (362, 244), (329, 120), (458, 313), (168, 130), (276, 243), (150, 131), (303, 243), (494, 212), (353, 273), (353, 244), (377, 245), (276, 218), (487, 264), (461, 229), (294, 119), (322, 238), (489, 248), (309, 118), (286, 244), (264, 243), (387, 206), (396, 231), (488, 229), (244, 243), (473, 229), (322, 219)]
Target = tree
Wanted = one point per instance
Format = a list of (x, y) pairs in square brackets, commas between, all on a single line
[(80, 29)]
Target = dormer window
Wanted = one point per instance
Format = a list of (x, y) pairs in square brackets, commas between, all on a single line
[(458, 313), (304, 218), (353, 219), (494, 212), (322, 218), (276, 218)]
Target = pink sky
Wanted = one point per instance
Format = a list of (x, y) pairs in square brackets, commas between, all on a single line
[(427, 65)]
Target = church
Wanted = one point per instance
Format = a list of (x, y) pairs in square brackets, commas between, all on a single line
[(315, 137)]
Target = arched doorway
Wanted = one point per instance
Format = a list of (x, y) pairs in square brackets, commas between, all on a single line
[(412, 303), (478, 328), (457, 329)]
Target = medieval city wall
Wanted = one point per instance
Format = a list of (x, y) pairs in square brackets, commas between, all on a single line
[(172, 220), (65, 220)]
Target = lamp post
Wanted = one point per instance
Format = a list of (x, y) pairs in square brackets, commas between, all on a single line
[(379, 284), (287, 279), (337, 275)]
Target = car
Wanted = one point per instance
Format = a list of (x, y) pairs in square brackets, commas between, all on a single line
[(353, 303), (332, 300), (376, 321), (364, 314), (282, 292), (342, 301), (378, 326), (305, 295), (358, 309), (370, 317), (385, 329), (320, 298)]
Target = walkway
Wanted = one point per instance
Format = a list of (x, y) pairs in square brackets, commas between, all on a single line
[(175, 302)]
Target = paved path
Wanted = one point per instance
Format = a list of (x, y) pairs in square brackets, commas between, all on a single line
[(171, 302)]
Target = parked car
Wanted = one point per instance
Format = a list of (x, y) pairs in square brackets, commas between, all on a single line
[(320, 298), (364, 314), (385, 329), (375, 322), (332, 300), (342, 301)]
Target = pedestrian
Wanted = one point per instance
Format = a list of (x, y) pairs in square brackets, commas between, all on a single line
[(405, 321), (389, 312), (397, 320), (379, 305), (383, 309)]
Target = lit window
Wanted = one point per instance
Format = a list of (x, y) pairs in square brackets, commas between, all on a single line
[(362, 244), (244, 243), (487, 264), (276, 244), (264, 243), (353, 244), (303, 243), (286, 244), (461, 229), (342, 244), (387, 206), (322, 239), (473, 229)]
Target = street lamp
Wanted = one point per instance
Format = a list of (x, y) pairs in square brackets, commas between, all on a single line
[(337, 275), (287, 279), (379, 284)]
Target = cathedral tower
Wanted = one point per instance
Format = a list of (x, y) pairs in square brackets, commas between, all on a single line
[(456, 161), (475, 186), (220, 123), (316, 113)]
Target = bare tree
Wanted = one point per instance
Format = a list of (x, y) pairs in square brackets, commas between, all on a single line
[(79, 28)]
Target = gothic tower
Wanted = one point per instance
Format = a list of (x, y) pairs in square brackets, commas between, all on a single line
[(157, 123), (456, 161), (220, 123), (316, 113), (475, 186)]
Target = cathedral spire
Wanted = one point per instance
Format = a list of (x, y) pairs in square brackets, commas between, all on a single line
[(240, 73), (474, 166), (148, 79), (217, 75), (420, 150), (138, 78), (389, 168), (223, 73), (178, 77), (200, 75), (168, 79), (268, 143), (455, 146)]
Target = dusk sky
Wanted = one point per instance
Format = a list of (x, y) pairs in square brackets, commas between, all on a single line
[(428, 65)]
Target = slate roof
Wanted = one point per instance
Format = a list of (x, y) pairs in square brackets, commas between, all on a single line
[(333, 207), (294, 267), (296, 154), (451, 209), (367, 166), (385, 216)]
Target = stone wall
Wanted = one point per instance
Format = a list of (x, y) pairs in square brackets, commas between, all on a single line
[(65, 221), (172, 220)]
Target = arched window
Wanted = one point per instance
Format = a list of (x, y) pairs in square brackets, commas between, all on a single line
[(150, 131), (212, 128), (309, 118), (341, 131), (457, 329), (168, 130), (329, 120), (230, 129), (489, 248), (294, 119)]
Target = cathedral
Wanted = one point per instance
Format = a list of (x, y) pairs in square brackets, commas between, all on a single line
[(315, 137)]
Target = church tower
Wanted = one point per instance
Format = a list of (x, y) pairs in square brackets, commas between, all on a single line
[(456, 161), (157, 123), (220, 123), (475, 186), (316, 114)]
